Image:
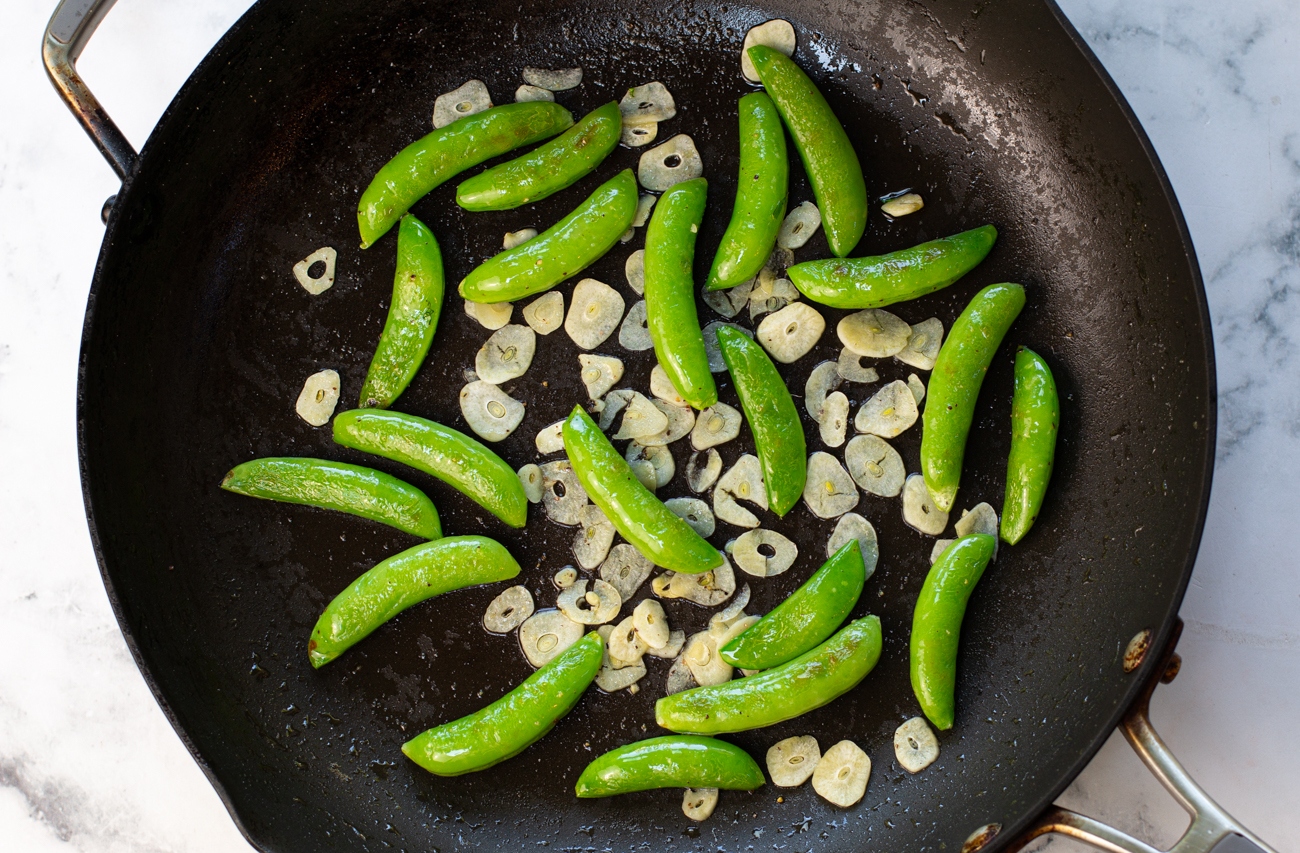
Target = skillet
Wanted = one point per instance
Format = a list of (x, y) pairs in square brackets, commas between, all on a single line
[(197, 340)]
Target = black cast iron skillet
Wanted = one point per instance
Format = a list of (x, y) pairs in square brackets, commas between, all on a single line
[(197, 340)]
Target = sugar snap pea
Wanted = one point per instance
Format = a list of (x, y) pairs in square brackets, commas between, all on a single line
[(408, 578), (955, 384), (936, 624), (773, 418), (652, 528), (451, 456), (563, 250), (515, 721), (412, 315), (337, 485), (880, 280), (674, 761), (670, 292), (783, 693), (806, 618), (827, 154), (440, 156), (761, 195), (558, 164), (1035, 419)]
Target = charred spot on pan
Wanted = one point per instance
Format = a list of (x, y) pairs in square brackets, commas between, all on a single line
[(980, 838), (1137, 649)]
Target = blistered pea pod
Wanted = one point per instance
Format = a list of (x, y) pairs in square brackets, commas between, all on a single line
[(1035, 420), (673, 761)]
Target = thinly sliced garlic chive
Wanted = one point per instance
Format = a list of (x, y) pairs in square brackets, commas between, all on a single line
[(850, 368), (940, 545), (889, 412), (916, 386), (546, 634), (790, 333), (490, 412), (526, 93), (828, 491), (720, 301), (777, 34), (651, 624), (770, 295), (922, 345), (875, 465), (634, 334), (726, 509), (660, 460), (662, 387), (694, 512), (644, 204), (698, 803), (594, 312), (745, 480), (853, 526), (565, 577), (531, 477), (594, 537), (842, 774), (634, 271), (673, 647), (615, 402), (518, 238), (716, 425), (824, 379), (799, 226), (625, 569), (550, 439), (679, 677), (600, 373), (982, 518), (835, 419), (919, 511), (594, 607), (506, 355), (702, 469), (915, 745), (316, 285), (554, 80), (670, 163), (645, 473), (763, 553), (641, 418), (318, 397), (727, 616), (651, 102), (708, 589), (611, 679), (490, 316), (874, 332), (711, 347), (625, 644), (639, 132), (902, 205), (508, 610), (791, 762), (701, 655), (466, 100), (680, 423), (562, 495)]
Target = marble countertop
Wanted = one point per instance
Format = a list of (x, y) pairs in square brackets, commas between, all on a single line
[(89, 763)]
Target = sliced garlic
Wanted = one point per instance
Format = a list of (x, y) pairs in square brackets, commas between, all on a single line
[(835, 419), (634, 334), (625, 644), (651, 624), (922, 345), (672, 648), (850, 368), (776, 34), (596, 607), (628, 235), (680, 423), (565, 577), (651, 102), (703, 469), (645, 473), (562, 494), (550, 439), (641, 418), (875, 465), (763, 553), (874, 332), (853, 526), (644, 204), (694, 512), (916, 386), (720, 301), (828, 491), (611, 679), (745, 480), (982, 518), (670, 163), (531, 477), (790, 333), (625, 569), (508, 610), (599, 373), (662, 387), (546, 634), (679, 677), (791, 762), (594, 313), (527, 93), (940, 545), (890, 411), (711, 347), (915, 745), (716, 425), (727, 616), (799, 226), (726, 509), (638, 132), (555, 80), (318, 397), (634, 270), (698, 803), (506, 355), (490, 316), (701, 656), (919, 510), (545, 314), (490, 412), (824, 379), (615, 402), (517, 238), (660, 460), (470, 98), (708, 589), (902, 205), (842, 774), (323, 282), (594, 537), (770, 295)]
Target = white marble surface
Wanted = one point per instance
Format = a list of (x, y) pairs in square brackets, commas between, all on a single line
[(87, 760)]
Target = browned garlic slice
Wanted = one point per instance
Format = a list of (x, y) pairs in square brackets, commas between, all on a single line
[(835, 419), (823, 379), (902, 205), (915, 745), (763, 553), (850, 368), (594, 537), (708, 589), (565, 577), (916, 386), (651, 102), (789, 334), (799, 226), (625, 569), (853, 526), (531, 477), (660, 460), (791, 762), (550, 439), (662, 387), (634, 270), (671, 649), (680, 423), (508, 610), (919, 511), (594, 313), (599, 373), (828, 491), (670, 163), (875, 465), (922, 345), (517, 238), (842, 774), (554, 80), (651, 624), (545, 314), (490, 316), (562, 495), (698, 803), (874, 332), (890, 411), (641, 418), (711, 348), (527, 93), (596, 607), (323, 282), (634, 334), (716, 425), (469, 98), (318, 397), (694, 512), (490, 412), (777, 34), (546, 634), (702, 470), (506, 355)]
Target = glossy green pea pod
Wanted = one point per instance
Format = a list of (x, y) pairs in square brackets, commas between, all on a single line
[(806, 618), (554, 166), (515, 721), (412, 315), (670, 292), (827, 154), (561, 251), (337, 485), (674, 761), (955, 384), (880, 280), (440, 156), (761, 195), (783, 693), (642, 519), (451, 456), (772, 416), (401, 581), (936, 624), (1035, 419)]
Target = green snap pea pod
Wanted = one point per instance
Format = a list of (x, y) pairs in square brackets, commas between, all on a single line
[(442, 155), (955, 384), (408, 578), (827, 154), (337, 485), (674, 761), (1035, 418), (806, 618), (563, 250), (773, 418), (936, 624), (761, 195), (670, 292), (783, 693), (412, 315), (880, 280), (558, 164), (515, 721), (642, 519), (451, 456)]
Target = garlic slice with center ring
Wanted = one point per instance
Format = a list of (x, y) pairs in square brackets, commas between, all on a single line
[(799, 226), (890, 411), (651, 624), (562, 494), (789, 334), (490, 316), (828, 491), (919, 510), (842, 774), (316, 285), (694, 512), (651, 102), (625, 569), (575, 603), (531, 477), (875, 465), (835, 419), (490, 412), (625, 643), (506, 355), (545, 314), (763, 553), (599, 373), (922, 345), (874, 332), (659, 458), (791, 762), (508, 610), (716, 425), (641, 418), (708, 589), (670, 163), (318, 397), (594, 313), (469, 98), (594, 537), (546, 634), (698, 803), (915, 745)]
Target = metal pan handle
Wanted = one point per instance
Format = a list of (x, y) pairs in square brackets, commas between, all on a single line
[(1212, 828)]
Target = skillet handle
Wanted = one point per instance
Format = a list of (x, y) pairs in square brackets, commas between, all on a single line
[(66, 35), (1212, 828)]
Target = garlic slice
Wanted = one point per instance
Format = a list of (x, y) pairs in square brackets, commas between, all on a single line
[(599, 373), (981, 518), (889, 412), (565, 577), (694, 512), (745, 480), (824, 379), (625, 644), (506, 355), (874, 332), (701, 656), (615, 402), (716, 425), (711, 347), (638, 132), (734, 611), (594, 537), (562, 494), (645, 473), (615, 673), (770, 295), (850, 368), (660, 460), (531, 477), (679, 677), (671, 649), (490, 316), (789, 334), (916, 386), (323, 282), (641, 418), (703, 469), (763, 553), (922, 345), (662, 387), (828, 491), (698, 803), (708, 589), (594, 313), (517, 238), (651, 624), (545, 314), (919, 510), (318, 398), (835, 419), (634, 334), (596, 607), (556, 80), (842, 774), (670, 163), (508, 610), (915, 745), (777, 34), (550, 439), (799, 226), (902, 205), (469, 98), (726, 509), (625, 569), (680, 423), (853, 526), (940, 545), (634, 271), (644, 204), (791, 762), (651, 102), (875, 465), (546, 634), (490, 412), (719, 301), (527, 93), (628, 235)]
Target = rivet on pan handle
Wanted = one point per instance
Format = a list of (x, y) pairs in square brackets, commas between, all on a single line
[(1212, 828), (66, 35)]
